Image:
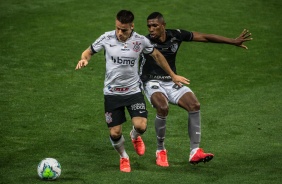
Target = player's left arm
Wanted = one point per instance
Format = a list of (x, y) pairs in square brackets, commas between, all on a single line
[(162, 62), (243, 37)]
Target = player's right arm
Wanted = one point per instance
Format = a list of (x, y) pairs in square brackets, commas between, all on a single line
[(85, 57), (162, 62), (90, 51)]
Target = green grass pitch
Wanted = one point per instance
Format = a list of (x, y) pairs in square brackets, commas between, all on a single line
[(50, 110)]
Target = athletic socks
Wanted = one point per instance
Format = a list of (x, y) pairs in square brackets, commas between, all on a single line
[(194, 129), (118, 144), (160, 127), (135, 133)]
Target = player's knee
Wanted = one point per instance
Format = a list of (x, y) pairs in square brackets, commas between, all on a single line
[(115, 136), (115, 132), (162, 110), (195, 106), (141, 130), (140, 124)]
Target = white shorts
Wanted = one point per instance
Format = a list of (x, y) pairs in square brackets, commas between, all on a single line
[(171, 90)]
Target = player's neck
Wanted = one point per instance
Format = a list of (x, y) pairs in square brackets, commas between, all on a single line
[(162, 37)]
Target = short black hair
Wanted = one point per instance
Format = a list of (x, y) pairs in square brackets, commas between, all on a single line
[(156, 15), (125, 16)]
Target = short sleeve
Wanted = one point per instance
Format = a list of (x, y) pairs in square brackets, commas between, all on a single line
[(185, 35), (98, 44), (149, 48)]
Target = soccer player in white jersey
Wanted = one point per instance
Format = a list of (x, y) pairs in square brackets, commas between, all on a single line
[(160, 90), (122, 83)]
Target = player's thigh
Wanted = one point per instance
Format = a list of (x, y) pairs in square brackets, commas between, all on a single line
[(189, 102), (114, 114), (175, 92), (151, 87), (159, 100), (138, 111), (115, 117)]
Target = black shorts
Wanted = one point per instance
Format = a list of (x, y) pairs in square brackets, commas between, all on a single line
[(115, 108)]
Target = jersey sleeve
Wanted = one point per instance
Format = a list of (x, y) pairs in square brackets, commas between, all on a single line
[(185, 35), (148, 48), (98, 44)]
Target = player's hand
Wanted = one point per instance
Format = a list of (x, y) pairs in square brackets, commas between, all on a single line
[(244, 36), (81, 63), (179, 80)]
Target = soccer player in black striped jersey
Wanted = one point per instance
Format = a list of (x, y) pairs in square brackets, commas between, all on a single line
[(122, 48), (160, 90)]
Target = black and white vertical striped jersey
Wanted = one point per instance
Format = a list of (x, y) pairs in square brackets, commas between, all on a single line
[(122, 61), (149, 69)]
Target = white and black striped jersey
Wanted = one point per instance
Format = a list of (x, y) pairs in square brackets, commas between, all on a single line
[(122, 61), (149, 68)]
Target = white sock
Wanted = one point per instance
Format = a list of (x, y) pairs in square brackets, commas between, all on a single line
[(134, 134)]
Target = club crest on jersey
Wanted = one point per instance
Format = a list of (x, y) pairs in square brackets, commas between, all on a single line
[(174, 47), (136, 47), (173, 39), (108, 117)]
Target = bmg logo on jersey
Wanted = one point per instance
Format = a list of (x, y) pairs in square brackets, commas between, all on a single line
[(124, 61)]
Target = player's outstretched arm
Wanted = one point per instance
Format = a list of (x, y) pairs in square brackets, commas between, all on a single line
[(162, 62), (85, 57), (243, 37)]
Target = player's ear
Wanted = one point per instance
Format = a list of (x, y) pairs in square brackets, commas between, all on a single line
[(132, 26)]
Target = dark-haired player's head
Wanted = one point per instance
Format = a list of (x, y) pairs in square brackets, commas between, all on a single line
[(156, 25), (156, 15), (124, 24), (125, 16)]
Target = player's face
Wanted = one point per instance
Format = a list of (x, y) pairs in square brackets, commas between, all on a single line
[(155, 28), (123, 31)]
